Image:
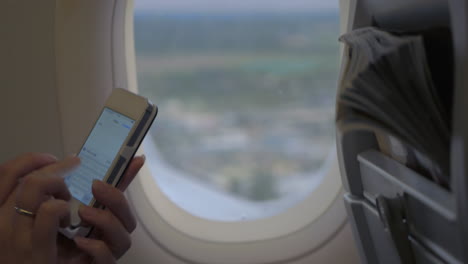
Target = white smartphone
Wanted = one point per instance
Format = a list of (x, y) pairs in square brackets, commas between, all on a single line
[(107, 151)]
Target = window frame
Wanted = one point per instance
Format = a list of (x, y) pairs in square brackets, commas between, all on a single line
[(183, 234), (197, 240)]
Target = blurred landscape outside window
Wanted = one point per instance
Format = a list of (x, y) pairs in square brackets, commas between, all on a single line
[(246, 91)]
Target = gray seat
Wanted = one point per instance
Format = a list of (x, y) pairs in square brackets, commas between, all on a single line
[(399, 216)]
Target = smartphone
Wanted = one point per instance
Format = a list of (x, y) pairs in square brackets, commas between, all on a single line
[(108, 150)]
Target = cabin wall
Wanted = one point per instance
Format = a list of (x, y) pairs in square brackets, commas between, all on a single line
[(29, 112)]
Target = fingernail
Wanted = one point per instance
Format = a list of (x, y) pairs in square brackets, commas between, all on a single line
[(99, 186), (76, 160), (143, 157), (50, 156), (87, 211), (81, 240)]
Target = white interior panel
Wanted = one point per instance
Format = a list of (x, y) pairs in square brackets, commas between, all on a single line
[(28, 101), (84, 65)]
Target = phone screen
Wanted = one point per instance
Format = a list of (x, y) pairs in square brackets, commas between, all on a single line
[(98, 152)]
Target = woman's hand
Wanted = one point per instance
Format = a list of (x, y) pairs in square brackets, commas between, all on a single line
[(110, 238), (29, 182), (28, 233)]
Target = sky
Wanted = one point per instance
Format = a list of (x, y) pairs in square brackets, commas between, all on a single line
[(235, 5)]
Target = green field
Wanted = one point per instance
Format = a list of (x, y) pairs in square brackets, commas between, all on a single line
[(246, 101)]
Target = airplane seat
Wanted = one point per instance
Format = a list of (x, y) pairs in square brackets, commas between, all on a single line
[(397, 215)]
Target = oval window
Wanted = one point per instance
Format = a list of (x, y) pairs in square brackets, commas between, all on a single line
[(246, 92)]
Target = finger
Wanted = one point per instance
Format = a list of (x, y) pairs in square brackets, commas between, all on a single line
[(61, 168), (41, 184), (58, 169), (131, 172), (38, 187), (35, 190), (115, 201), (97, 249), (112, 230), (16, 168), (51, 215)]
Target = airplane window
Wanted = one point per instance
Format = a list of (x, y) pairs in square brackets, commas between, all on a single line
[(246, 93)]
